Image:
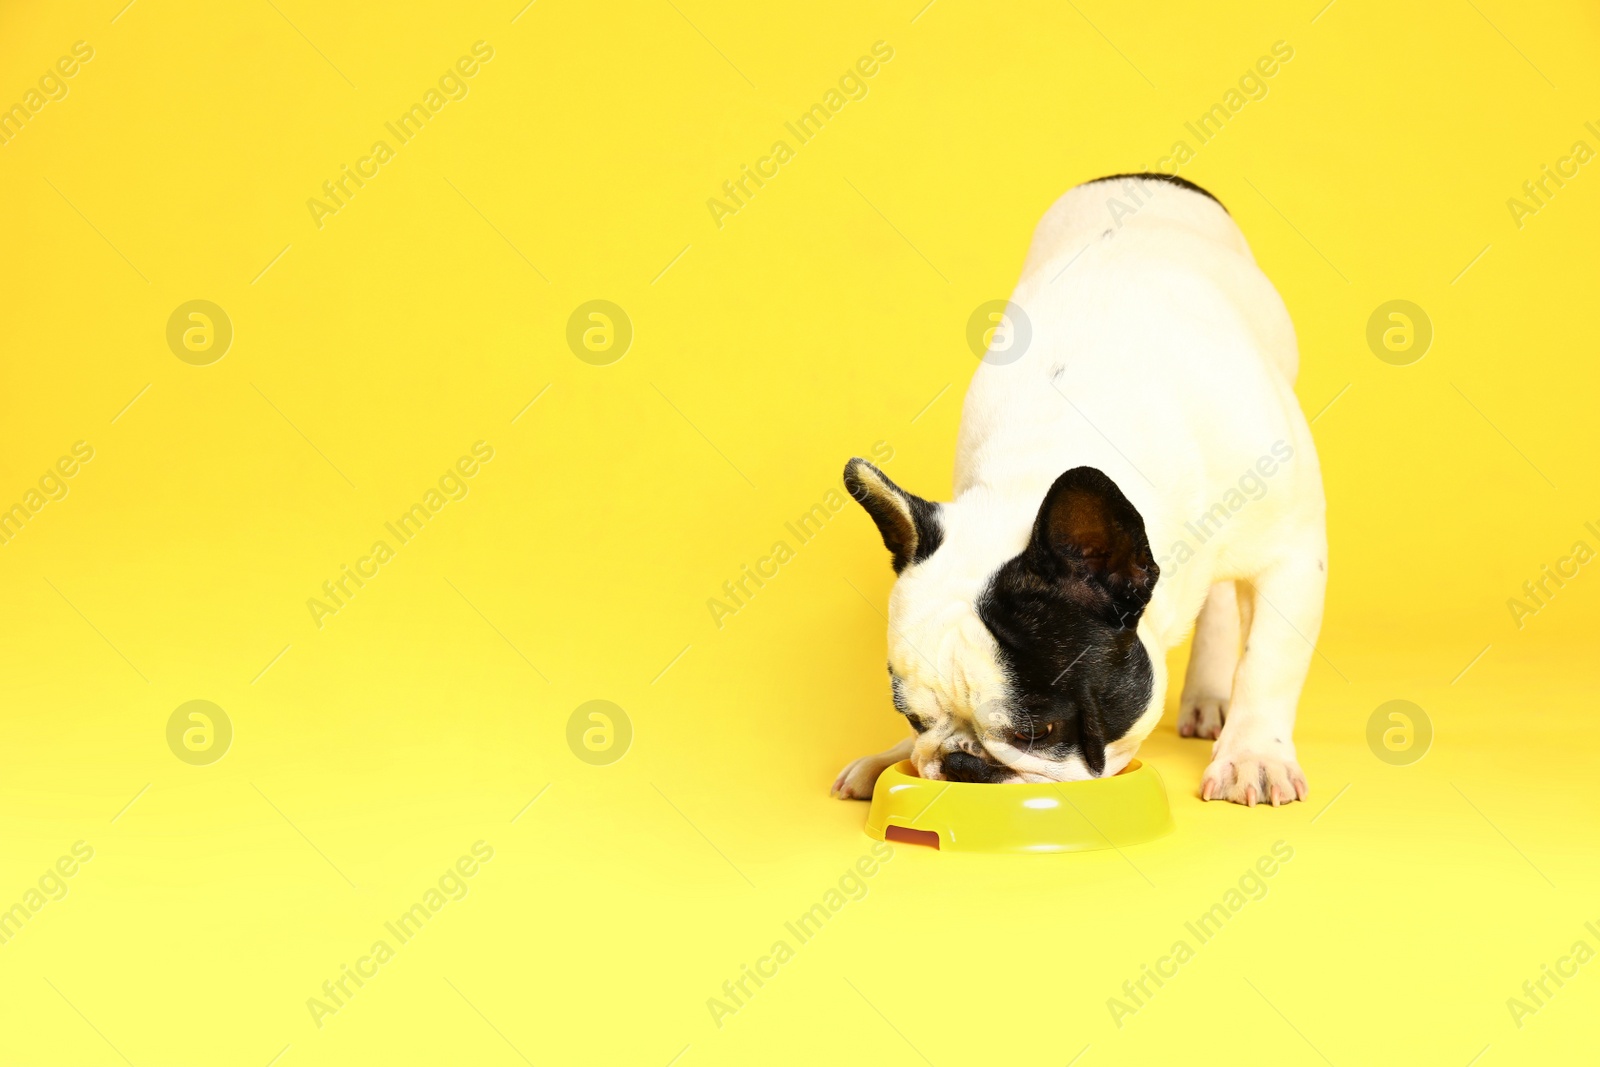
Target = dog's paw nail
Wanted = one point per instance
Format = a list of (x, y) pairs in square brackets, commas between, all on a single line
[(1243, 776)]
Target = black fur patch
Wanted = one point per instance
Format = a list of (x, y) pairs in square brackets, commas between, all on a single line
[(1170, 179), (1064, 613), (1065, 667), (907, 542)]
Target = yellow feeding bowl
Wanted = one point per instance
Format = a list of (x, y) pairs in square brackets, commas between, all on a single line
[(1125, 809)]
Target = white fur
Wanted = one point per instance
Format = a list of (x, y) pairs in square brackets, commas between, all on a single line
[(1161, 355)]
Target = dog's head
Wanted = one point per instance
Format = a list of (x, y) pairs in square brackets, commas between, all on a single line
[(1018, 662)]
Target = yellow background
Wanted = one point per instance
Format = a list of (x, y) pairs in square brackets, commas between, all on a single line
[(823, 317)]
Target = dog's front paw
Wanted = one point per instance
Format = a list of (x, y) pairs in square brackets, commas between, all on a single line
[(855, 782), (1202, 716), (1248, 772)]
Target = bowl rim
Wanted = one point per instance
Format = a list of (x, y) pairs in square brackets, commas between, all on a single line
[(904, 769)]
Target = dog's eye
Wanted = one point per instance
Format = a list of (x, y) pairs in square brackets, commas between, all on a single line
[(1033, 735)]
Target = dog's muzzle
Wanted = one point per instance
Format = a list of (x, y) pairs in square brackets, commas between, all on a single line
[(965, 767)]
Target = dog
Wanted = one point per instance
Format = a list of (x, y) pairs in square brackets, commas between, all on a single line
[(1132, 465)]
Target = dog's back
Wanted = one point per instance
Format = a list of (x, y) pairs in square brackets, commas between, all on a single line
[(1174, 220), (1159, 353)]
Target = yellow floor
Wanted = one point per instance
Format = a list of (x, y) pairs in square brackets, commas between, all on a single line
[(409, 746)]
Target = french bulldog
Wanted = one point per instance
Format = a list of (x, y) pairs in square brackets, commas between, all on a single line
[(1132, 465)]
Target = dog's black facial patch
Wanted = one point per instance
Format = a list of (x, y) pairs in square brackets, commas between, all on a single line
[(1170, 179), (909, 525), (1064, 613), (1076, 684)]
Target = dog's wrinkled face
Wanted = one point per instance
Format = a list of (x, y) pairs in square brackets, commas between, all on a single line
[(1018, 667)]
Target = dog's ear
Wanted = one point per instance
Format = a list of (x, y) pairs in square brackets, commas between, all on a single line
[(1092, 735), (909, 524), (1090, 540)]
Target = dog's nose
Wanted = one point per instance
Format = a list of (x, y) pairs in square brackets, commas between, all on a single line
[(965, 767)]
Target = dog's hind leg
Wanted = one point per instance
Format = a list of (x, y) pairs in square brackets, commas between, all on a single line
[(1208, 683), (855, 782)]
